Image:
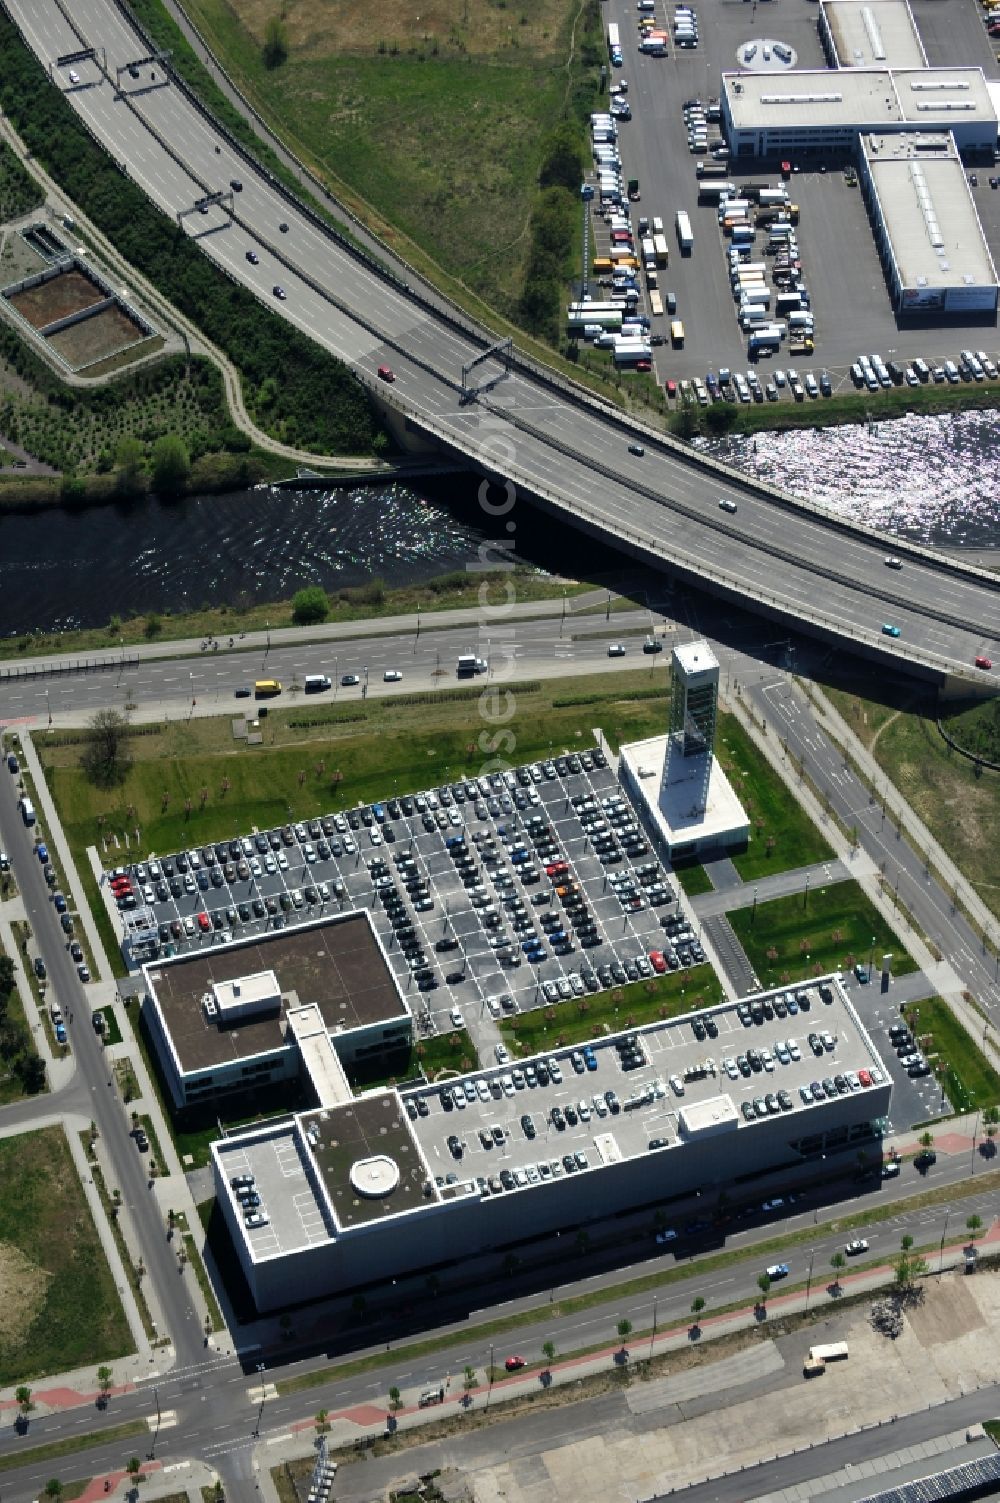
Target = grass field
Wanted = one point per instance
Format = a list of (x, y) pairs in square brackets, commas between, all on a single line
[(961, 810), (830, 928), (344, 754), (782, 836), (60, 1309), (609, 1012), (969, 1079), (429, 119)]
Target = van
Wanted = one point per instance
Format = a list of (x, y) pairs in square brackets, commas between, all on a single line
[(266, 688), (12, 763), (677, 334), (27, 811), (317, 683)]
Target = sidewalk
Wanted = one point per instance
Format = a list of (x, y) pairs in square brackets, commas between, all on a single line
[(859, 866), (368, 1419)]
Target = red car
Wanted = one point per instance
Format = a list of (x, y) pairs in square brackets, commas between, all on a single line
[(671, 389), (386, 373), (204, 923), (864, 1077), (786, 169), (513, 1364), (657, 961), (984, 662), (556, 868)]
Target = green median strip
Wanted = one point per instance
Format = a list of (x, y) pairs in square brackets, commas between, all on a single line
[(71, 1444), (942, 1194)]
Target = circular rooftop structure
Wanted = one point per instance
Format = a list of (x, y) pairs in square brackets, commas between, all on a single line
[(374, 1178), (765, 55)]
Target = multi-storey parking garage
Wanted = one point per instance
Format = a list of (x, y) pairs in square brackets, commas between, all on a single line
[(399, 1181)]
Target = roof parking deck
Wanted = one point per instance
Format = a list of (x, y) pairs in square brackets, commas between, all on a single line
[(650, 1089)]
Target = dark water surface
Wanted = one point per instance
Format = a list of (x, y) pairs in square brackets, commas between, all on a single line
[(932, 479)]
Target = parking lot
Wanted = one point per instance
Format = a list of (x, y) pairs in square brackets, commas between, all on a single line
[(849, 295), (490, 896)]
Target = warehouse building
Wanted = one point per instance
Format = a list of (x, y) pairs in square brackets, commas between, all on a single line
[(870, 34), (926, 225), (675, 781), (397, 1182), (819, 112), (295, 1003)]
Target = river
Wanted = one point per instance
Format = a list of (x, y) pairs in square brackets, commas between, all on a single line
[(931, 479)]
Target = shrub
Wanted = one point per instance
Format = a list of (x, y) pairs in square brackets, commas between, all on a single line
[(310, 606)]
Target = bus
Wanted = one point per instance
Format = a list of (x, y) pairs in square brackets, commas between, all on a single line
[(655, 304), (266, 688), (677, 334), (660, 247)]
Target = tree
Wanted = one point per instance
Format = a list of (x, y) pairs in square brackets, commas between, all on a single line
[(106, 756), (549, 1350), (153, 627), (837, 1262), (927, 1141), (395, 1398), (764, 1285), (53, 1488), (171, 465), (975, 1225), (697, 1305), (469, 1377), (310, 606), (134, 1468), (275, 49), (624, 1330), (24, 1400), (321, 1418), (129, 456), (906, 1242), (104, 1381)]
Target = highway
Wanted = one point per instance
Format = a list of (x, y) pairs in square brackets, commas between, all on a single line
[(573, 454)]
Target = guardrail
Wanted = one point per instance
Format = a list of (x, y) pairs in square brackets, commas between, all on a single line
[(78, 665)]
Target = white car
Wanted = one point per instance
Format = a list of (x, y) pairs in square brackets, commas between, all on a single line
[(74, 76), (493, 1007), (392, 676), (677, 1084), (616, 650), (457, 1021), (859, 1245)]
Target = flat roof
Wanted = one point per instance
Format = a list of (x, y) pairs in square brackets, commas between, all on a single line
[(387, 1153), (858, 98), (695, 657), (928, 211), (368, 1159), (336, 963), (873, 33), (711, 1101), (673, 794)]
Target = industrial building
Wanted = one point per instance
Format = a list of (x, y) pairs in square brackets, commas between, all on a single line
[(925, 223), (676, 784), (818, 112), (298, 1002), (400, 1181), (870, 34)]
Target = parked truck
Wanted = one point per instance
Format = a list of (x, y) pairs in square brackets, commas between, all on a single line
[(818, 1357), (685, 235)]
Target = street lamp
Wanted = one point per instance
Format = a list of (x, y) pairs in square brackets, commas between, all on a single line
[(489, 1378), (944, 1234), (267, 649), (812, 1254), (260, 1411), (871, 959), (156, 1432), (652, 1334)]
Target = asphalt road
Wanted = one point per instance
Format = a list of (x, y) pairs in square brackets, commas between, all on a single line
[(523, 428)]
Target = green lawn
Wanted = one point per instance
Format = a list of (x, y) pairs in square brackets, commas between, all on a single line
[(693, 879), (969, 1079), (829, 928), (782, 836), (315, 762), (66, 1312), (608, 1012), (961, 809), (112, 1032)]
